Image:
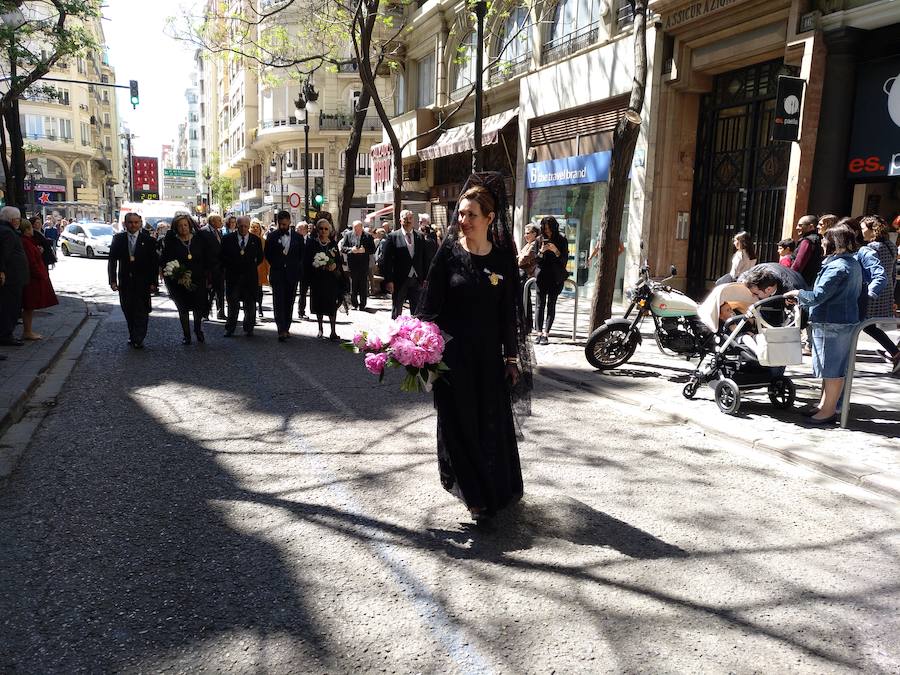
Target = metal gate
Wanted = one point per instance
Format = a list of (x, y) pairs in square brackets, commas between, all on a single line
[(740, 175)]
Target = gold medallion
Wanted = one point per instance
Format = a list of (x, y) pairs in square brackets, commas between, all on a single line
[(495, 278), (242, 251), (131, 258), (190, 257)]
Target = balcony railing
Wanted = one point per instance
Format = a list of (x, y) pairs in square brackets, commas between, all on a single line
[(352, 67), (624, 14), (506, 70), (344, 121), (564, 45), (47, 137)]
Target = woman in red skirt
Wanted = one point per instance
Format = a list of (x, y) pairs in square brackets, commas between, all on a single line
[(39, 291)]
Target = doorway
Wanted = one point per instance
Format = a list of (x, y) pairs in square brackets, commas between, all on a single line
[(740, 176)]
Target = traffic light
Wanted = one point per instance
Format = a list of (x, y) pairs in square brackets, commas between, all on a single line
[(135, 97), (319, 191)]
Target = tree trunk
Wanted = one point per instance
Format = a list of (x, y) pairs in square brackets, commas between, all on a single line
[(15, 181), (624, 140), (350, 154)]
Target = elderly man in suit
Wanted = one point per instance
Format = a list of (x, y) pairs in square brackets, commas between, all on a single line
[(284, 251), (213, 233), (133, 271), (405, 265), (14, 274), (241, 256), (358, 246)]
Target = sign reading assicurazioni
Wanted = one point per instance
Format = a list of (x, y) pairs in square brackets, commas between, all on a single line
[(694, 11)]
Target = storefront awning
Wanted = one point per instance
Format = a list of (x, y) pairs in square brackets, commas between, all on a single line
[(380, 212), (460, 139)]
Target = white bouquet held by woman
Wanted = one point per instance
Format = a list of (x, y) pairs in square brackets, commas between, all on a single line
[(321, 259), (178, 274)]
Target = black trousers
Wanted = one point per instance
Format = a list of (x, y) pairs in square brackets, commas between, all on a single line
[(547, 302), (134, 307), (217, 292), (283, 296), (359, 287), (410, 289), (301, 302), (10, 309), (235, 294)]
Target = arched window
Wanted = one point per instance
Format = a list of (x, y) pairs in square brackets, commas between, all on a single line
[(465, 62), (78, 175), (573, 16), (49, 168), (512, 45)]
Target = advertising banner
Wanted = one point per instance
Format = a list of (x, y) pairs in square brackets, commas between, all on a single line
[(875, 139), (788, 104), (593, 168)]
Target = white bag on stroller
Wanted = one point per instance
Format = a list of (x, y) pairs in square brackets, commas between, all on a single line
[(775, 345)]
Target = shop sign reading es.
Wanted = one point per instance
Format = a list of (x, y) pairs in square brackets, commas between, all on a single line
[(593, 168), (875, 137)]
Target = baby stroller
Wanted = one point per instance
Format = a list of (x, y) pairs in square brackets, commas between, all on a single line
[(748, 353)]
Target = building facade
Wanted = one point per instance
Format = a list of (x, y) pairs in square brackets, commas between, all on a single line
[(70, 132)]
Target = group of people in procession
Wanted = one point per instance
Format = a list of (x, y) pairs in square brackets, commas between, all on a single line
[(469, 282)]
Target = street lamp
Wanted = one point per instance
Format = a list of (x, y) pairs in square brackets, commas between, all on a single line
[(207, 175), (305, 105), (33, 174), (283, 159), (480, 12)]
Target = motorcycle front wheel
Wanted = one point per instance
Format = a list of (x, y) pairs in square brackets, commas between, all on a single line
[(610, 346)]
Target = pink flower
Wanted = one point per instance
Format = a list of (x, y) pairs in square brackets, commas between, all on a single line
[(402, 326), (403, 349), (427, 336), (359, 339), (375, 362), (373, 343)]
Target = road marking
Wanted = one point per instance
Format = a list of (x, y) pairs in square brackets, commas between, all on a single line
[(458, 645)]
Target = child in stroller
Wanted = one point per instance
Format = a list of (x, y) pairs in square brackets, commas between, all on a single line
[(745, 352)]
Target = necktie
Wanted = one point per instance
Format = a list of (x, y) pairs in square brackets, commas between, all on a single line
[(409, 242), (218, 235), (132, 242), (243, 243)]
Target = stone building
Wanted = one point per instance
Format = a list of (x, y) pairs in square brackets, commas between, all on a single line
[(71, 138)]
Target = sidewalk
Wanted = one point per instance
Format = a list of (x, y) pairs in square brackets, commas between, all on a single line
[(865, 454), (22, 372)]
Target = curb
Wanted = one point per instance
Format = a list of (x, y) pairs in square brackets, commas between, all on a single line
[(28, 411), (665, 410)]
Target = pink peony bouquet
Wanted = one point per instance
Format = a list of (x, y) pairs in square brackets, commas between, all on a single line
[(409, 343)]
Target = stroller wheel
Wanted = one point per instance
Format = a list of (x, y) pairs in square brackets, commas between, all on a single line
[(782, 392), (728, 397), (690, 389)]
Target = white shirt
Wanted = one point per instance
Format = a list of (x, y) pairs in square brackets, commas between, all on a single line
[(286, 242)]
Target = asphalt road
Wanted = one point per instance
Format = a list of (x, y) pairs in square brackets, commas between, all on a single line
[(251, 506)]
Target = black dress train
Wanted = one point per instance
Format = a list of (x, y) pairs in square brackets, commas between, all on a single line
[(472, 299)]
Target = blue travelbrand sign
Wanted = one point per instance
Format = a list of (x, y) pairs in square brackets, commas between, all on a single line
[(593, 168)]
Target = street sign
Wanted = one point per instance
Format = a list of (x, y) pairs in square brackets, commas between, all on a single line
[(181, 173), (294, 200)]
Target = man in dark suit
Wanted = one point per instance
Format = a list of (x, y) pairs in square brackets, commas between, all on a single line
[(241, 255), (284, 251), (133, 272), (358, 246), (213, 234), (404, 265), (14, 274), (303, 231)]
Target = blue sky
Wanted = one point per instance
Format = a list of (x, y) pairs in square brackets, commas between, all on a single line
[(140, 50)]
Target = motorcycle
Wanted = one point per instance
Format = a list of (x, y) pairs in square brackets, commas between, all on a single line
[(677, 327)]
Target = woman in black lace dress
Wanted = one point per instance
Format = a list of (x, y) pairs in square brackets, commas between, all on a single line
[(184, 244), (473, 294), (323, 270)]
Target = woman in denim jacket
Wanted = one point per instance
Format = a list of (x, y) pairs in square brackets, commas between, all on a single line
[(834, 312)]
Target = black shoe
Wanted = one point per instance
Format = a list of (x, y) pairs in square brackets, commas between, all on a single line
[(186, 340), (334, 337), (11, 342), (130, 342), (228, 333), (282, 338), (138, 345), (823, 422), (200, 336), (808, 411)]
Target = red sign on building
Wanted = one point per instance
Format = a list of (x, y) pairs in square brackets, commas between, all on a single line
[(146, 178)]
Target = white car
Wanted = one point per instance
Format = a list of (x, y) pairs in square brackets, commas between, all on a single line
[(87, 239)]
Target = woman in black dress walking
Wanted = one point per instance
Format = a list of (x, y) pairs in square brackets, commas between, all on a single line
[(473, 294), (325, 273), (183, 244), (551, 276)]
